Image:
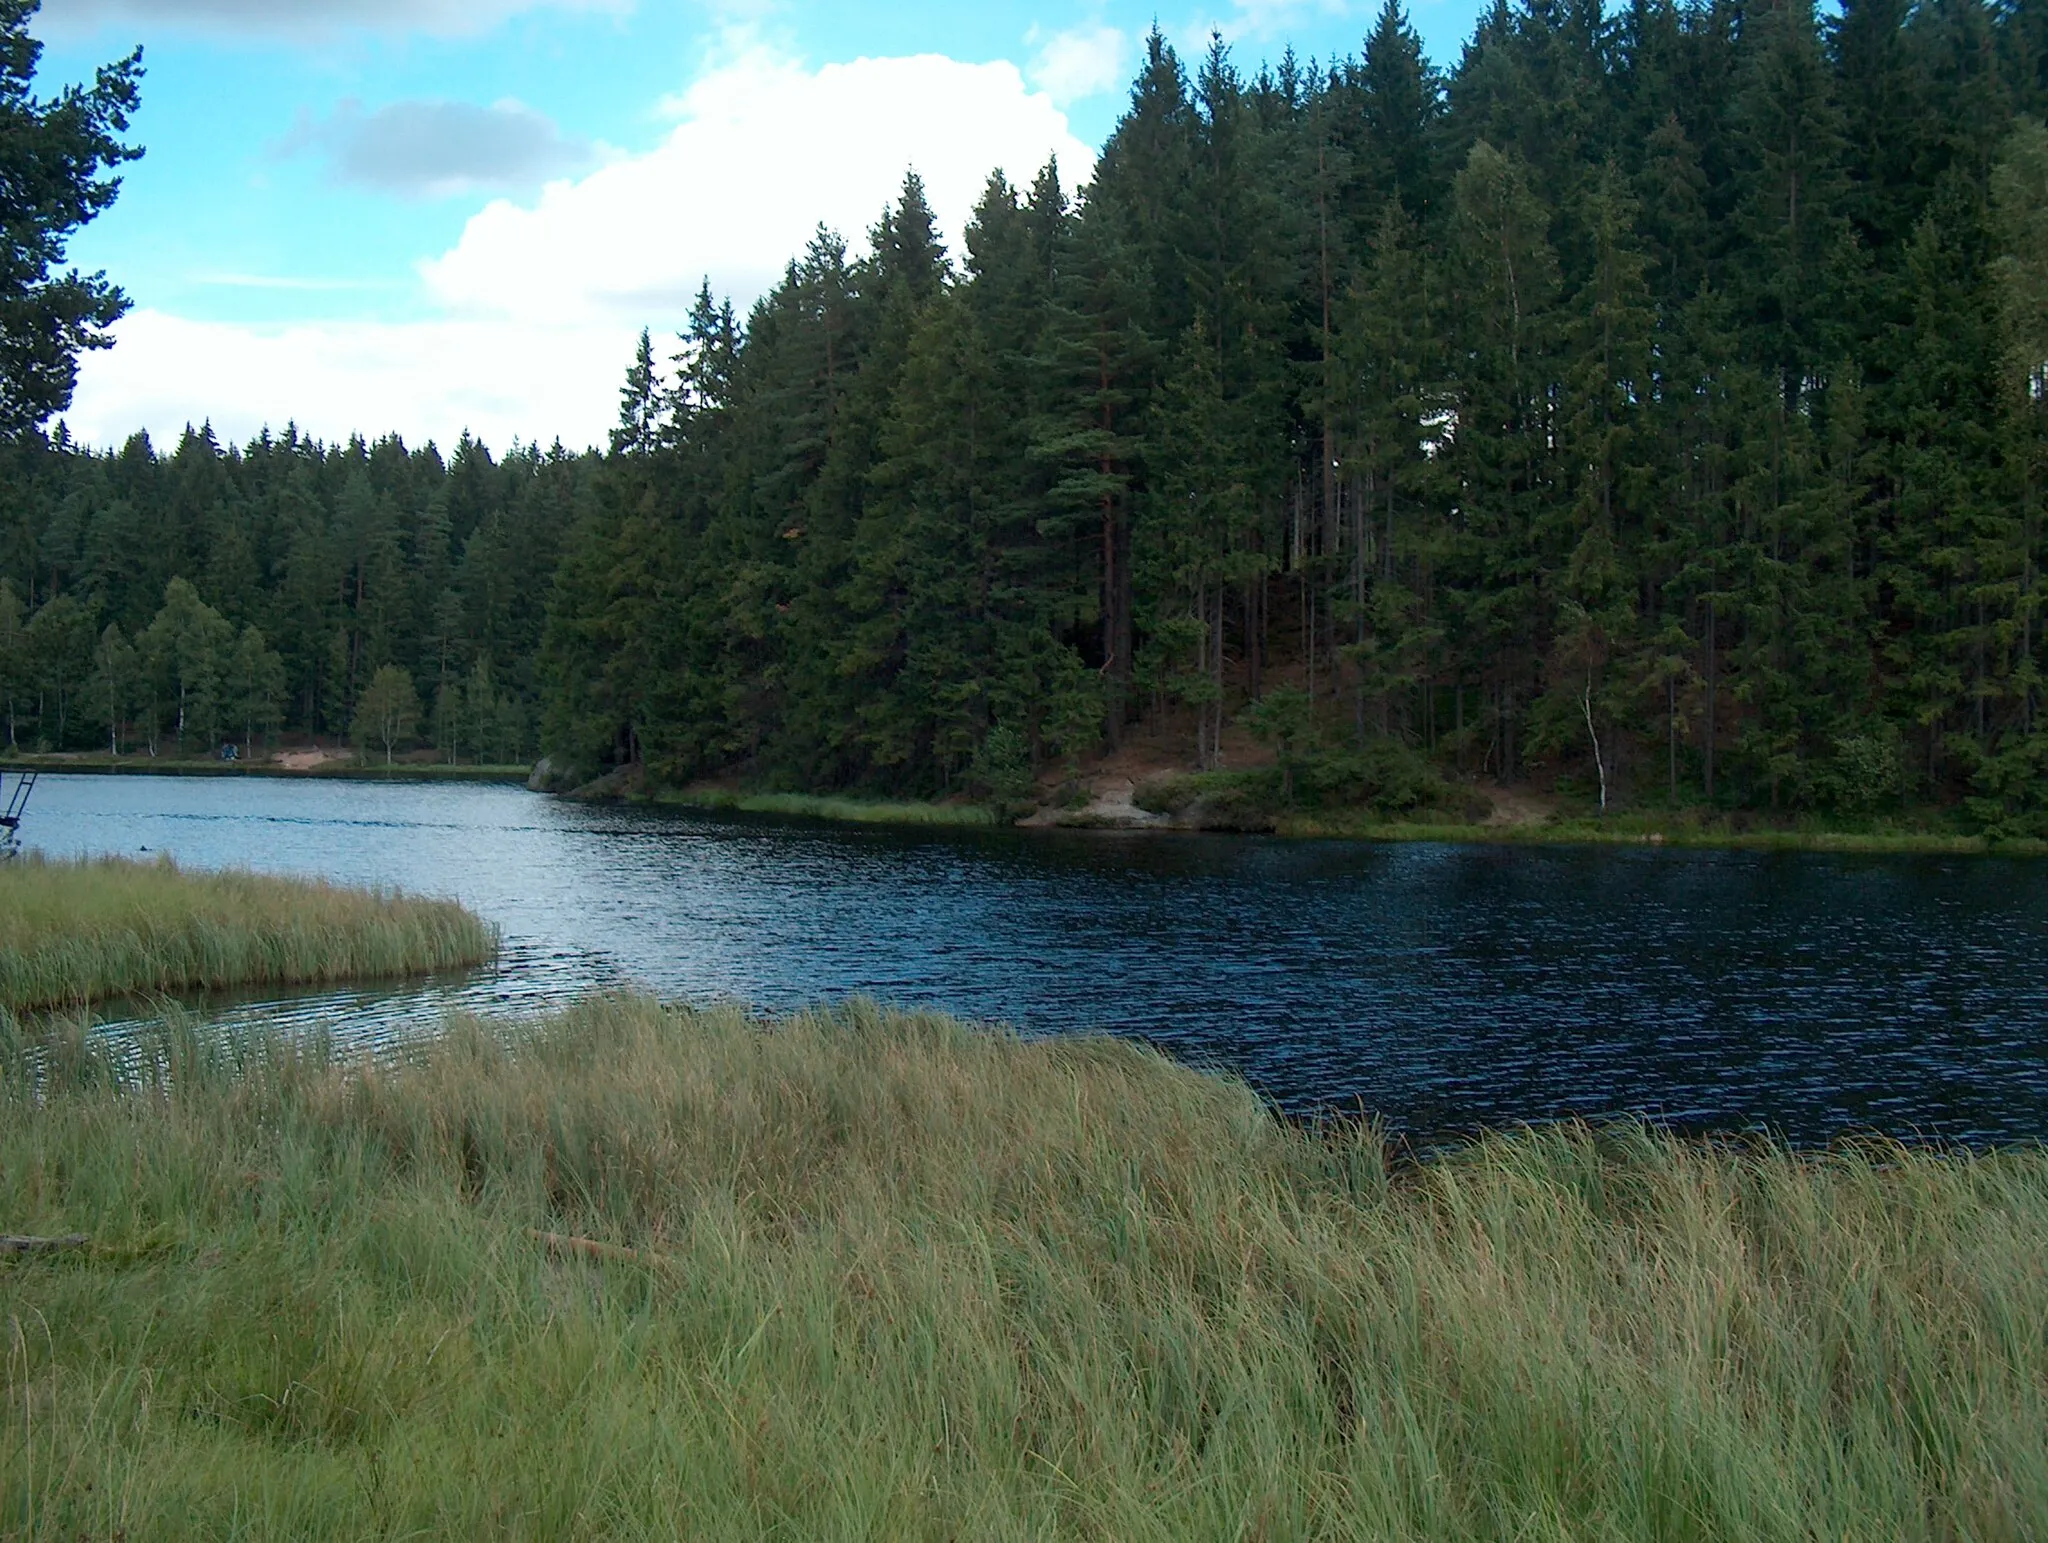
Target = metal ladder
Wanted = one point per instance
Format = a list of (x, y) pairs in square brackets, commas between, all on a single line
[(10, 820)]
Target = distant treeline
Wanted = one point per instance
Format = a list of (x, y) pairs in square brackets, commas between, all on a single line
[(209, 594), (1659, 398)]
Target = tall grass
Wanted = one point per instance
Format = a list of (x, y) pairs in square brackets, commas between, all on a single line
[(77, 932), (881, 1276)]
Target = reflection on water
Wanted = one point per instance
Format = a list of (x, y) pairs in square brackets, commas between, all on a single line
[(1440, 986)]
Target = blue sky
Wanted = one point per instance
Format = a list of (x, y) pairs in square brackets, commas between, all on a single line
[(426, 215)]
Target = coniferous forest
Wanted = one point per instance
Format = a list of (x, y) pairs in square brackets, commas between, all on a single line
[(1656, 400), (208, 594)]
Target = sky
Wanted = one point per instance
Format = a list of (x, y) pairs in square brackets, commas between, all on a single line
[(432, 216)]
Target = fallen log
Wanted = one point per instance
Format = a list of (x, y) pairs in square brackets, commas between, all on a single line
[(11, 1245)]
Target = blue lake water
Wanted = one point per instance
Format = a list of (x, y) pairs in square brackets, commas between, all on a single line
[(1440, 987)]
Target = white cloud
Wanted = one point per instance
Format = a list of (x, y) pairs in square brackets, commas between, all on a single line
[(1083, 62), (304, 18), (543, 301), (765, 151), (427, 380)]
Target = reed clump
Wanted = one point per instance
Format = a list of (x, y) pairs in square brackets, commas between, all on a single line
[(74, 932), (865, 1274)]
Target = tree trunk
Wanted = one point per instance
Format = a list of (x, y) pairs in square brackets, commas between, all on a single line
[(1671, 731), (1707, 735), (1599, 761)]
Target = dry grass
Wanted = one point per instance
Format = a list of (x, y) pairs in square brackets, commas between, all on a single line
[(895, 1278)]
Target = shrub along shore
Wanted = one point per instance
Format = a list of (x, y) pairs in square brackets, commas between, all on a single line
[(74, 932), (643, 1272)]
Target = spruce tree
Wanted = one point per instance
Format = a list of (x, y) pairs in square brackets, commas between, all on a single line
[(56, 156)]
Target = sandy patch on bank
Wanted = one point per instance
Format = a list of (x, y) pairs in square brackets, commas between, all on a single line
[(1518, 805), (306, 760)]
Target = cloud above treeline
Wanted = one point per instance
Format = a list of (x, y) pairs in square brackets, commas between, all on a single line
[(764, 151), (286, 18), (540, 299), (424, 380), (438, 149), (1082, 61)]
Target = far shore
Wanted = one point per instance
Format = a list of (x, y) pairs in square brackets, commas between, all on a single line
[(345, 768), (1632, 829), (1518, 823)]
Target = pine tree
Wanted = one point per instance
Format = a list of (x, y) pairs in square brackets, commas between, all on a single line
[(1502, 428), (55, 157), (1087, 445), (1400, 102)]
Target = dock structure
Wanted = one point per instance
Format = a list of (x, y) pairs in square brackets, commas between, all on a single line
[(10, 816)]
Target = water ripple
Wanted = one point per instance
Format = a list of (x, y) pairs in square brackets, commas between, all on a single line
[(1443, 987)]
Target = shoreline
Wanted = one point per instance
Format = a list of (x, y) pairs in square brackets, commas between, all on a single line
[(1620, 831), (1589, 833), (151, 766), (820, 806)]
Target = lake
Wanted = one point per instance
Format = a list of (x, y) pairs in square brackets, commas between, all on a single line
[(1442, 987)]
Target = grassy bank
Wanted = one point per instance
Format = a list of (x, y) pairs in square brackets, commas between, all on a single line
[(353, 771), (1410, 801), (857, 811), (1191, 805), (75, 932), (637, 1273), (1639, 830)]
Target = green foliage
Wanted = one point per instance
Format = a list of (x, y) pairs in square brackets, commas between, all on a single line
[(1867, 772), (642, 1270), (186, 653), (387, 711), (1657, 402), (55, 156), (14, 659), (1385, 775), (1591, 409), (117, 680), (254, 685), (1382, 776), (1284, 718), (1002, 766), (1250, 800), (341, 558), (58, 645)]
